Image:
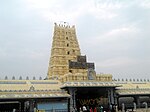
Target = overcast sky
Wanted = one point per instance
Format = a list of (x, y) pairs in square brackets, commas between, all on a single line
[(115, 34)]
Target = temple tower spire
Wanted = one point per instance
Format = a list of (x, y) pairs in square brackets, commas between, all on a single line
[(65, 48)]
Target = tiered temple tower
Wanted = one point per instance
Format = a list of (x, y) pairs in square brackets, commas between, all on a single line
[(65, 47), (66, 62)]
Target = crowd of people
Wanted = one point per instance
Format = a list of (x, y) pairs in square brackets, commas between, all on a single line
[(96, 109), (90, 109)]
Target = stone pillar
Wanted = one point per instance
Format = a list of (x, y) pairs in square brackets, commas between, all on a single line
[(111, 98), (31, 104), (72, 99), (137, 101), (115, 99), (134, 107), (145, 103), (22, 106), (123, 107)]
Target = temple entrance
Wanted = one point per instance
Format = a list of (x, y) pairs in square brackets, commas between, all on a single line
[(95, 95), (95, 98)]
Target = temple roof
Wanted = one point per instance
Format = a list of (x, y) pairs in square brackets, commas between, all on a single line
[(31, 89), (10, 89), (133, 91), (133, 88)]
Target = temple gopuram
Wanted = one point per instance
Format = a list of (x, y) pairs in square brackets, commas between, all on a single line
[(72, 84)]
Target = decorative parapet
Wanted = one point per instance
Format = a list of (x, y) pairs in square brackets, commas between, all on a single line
[(84, 77), (104, 77), (33, 90), (73, 77), (132, 80), (89, 84), (21, 78)]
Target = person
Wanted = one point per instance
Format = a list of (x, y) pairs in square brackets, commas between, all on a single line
[(95, 110), (80, 109), (110, 107), (75, 109), (101, 109), (84, 109), (14, 110), (88, 109), (91, 110)]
